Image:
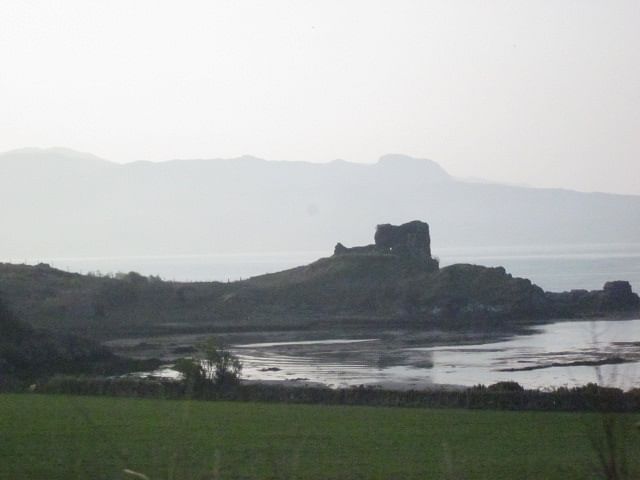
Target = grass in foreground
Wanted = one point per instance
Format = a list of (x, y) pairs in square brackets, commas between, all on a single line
[(65, 437)]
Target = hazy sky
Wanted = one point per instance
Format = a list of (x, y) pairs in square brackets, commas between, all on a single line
[(539, 92)]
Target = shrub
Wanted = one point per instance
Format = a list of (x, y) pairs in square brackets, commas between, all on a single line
[(213, 365), (508, 386)]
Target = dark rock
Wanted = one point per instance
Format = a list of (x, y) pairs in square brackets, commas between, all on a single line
[(464, 291), (615, 360), (618, 294), (615, 296)]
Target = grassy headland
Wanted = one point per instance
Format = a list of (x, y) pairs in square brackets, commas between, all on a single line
[(343, 291)]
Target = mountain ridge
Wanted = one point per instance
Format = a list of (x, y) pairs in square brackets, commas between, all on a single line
[(101, 208), (385, 160)]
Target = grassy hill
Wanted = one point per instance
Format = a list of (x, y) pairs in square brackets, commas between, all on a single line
[(28, 354), (372, 289)]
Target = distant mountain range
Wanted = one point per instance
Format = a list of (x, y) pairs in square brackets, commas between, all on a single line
[(58, 202)]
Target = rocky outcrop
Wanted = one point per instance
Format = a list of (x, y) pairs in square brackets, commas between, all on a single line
[(474, 292), (615, 297)]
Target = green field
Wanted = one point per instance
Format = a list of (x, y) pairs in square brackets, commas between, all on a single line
[(64, 437)]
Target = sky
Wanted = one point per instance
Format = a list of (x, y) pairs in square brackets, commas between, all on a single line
[(543, 93)]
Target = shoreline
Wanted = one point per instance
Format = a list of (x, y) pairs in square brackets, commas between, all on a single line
[(402, 360)]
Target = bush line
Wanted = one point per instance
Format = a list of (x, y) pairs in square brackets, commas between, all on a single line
[(500, 396)]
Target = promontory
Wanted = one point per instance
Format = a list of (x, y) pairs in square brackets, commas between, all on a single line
[(393, 281)]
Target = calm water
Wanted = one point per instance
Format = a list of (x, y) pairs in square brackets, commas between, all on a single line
[(546, 358), (375, 361), (554, 268)]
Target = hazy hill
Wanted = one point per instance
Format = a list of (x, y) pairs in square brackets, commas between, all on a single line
[(58, 202)]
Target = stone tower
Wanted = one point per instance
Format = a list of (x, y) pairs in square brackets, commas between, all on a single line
[(408, 239)]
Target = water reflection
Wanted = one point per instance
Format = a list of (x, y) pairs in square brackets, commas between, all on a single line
[(336, 363), (559, 354), (554, 355)]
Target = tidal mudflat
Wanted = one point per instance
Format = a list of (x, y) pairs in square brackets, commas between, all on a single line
[(552, 355)]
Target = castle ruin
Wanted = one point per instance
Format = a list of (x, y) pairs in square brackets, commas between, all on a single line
[(409, 240)]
